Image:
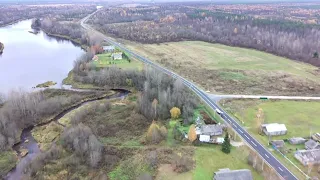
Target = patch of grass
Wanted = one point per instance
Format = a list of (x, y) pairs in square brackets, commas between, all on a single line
[(210, 158), (233, 76), (8, 160), (69, 81), (46, 84), (45, 135), (106, 60)]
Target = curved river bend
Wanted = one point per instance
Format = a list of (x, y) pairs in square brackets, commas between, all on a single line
[(30, 59)]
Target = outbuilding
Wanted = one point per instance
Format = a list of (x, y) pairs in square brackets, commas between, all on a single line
[(274, 129), (227, 174)]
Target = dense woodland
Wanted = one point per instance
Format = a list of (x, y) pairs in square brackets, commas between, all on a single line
[(154, 85), (173, 22), (12, 13)]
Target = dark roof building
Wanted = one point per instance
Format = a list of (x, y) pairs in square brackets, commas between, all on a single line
[(297, 140), (211, 130), (227, 174), (311, 144), (278, 143)]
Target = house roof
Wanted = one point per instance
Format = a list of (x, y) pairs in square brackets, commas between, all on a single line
[(312, 155), (297, 140), (311, 144), (274, 127), (108, 48), (227, 174), (212, 129), (278, 143)]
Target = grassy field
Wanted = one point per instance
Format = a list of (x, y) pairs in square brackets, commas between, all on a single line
[(210, 159), (300, 117), (233, 70), (8, 160), (106, 60)]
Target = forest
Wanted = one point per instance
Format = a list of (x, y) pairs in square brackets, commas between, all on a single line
[(175, 22), (12, 13)]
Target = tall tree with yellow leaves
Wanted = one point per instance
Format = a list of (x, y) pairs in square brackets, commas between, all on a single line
[(192, 134), (175, 113)]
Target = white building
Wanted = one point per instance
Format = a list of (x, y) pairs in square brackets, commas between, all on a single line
[(108, 48), (117, 56), (274, 129)]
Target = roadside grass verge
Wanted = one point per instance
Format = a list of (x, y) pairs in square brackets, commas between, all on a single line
[(300, 118)]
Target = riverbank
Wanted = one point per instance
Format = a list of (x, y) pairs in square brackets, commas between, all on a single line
[(13, 22), (1, 47), (75, 41)]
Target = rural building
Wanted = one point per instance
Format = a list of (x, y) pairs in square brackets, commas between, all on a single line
[(227, 174), (274, 129), (211, 130), (95, 58), (108, 48), (279, 144), (297, 140), (311, 144), (205, 138), (117, 56), (308, 156), (316, 137)]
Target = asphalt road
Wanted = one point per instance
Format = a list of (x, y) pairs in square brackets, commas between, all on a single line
[(264, 153), (218, 97)]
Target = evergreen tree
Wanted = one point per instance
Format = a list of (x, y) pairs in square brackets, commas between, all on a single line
[(316, 55), (226, 146)]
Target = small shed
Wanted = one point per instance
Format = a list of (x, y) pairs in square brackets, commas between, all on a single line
[(274, 129), (311, 144), (227, 174), (117, 56), (279, 144), (297, 140), (316, 137), (108, 48)]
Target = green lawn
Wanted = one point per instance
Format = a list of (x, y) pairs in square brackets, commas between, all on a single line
[(299, 117), (210, 159), (106, 60)]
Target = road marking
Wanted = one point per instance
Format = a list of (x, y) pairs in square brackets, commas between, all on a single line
[(253, 143), (280, 169), (240, 130), (246, 136), (266, 155)]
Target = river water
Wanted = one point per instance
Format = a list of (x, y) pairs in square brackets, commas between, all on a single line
[(30, 59)]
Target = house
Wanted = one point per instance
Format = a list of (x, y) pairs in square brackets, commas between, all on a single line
[(95, 58), (316, 137), (274, 129), (311, 144), (211, 130), (308, 156), (205, 138), (108, 48), (297, 140), (279, 144), (117, 56), (227, 174)]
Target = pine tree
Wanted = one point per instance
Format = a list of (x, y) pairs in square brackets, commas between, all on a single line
[(226, 146)]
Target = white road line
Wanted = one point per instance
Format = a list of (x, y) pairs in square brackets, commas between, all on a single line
[(253, 143), (266, 155), (246, 136), (240, 131), (280, 168)]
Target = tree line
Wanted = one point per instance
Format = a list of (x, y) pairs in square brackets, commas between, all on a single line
[(166, 23)]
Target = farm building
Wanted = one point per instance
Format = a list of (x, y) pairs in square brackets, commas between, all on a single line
[(311, 144), (227, 174), (108, 48), (117, 56), (297, 140), (274, 129), (308, 156)]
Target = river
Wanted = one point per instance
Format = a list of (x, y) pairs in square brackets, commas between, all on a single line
[(30, 59)]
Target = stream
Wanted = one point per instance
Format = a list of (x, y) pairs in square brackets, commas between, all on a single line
[(28, 142)]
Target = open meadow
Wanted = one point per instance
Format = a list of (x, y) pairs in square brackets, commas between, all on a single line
[(233, 70)]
